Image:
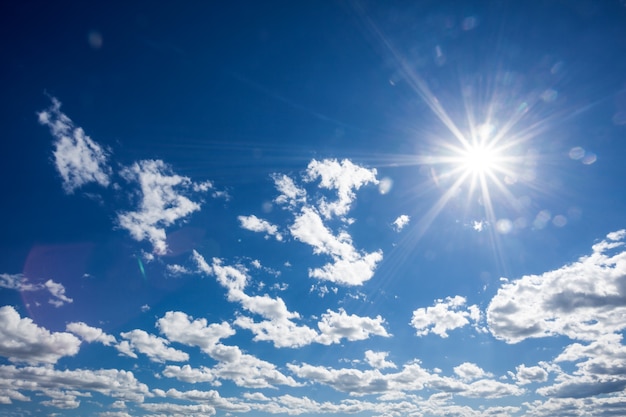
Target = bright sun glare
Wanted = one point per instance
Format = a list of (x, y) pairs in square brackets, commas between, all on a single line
[(479, 160)]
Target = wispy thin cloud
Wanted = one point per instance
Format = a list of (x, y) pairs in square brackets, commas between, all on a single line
[(21, 283)]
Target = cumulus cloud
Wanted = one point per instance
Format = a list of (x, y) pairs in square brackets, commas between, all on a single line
[(21, 340), (349, 267), (583, 300), (154, 347), (255, 224), (90, 334), (163, 202), (445, 315), (188, 374), (468, 371), (529, 374), (378, 360), (290, 193), (243, 369), (412, 377), (278, 326), (400, 222), (335, 326), (344, 177), (46, 380), (78, 159)]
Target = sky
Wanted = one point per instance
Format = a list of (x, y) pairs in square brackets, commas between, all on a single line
[(316, 208)]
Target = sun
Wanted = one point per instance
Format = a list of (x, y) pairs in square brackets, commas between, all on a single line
[(479, 159)]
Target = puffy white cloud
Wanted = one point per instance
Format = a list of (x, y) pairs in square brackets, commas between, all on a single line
[(163, 202), (171, 409), (186, 373), (335, 326), (254, 224), (290, 194), (583, 300), (412, 377), (529, 374), (445, 315), (243, 369), (400, 222), (350, 267), (344, 177), (468, 371), (114, 383), (281, 332), (210, 397), (566, 407), (21, 340), (78, 159), (179, 327), (378, 360), (90, 334), (154, 347)]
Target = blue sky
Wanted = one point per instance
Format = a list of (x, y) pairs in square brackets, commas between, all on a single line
[(313, 208)]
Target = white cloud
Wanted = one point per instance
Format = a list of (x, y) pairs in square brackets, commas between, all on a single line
[(335, 326), (400, 222), (350, 267), (179, 327), (468, 371), (281, 332), (445, 315), (378, 360), (58, 292), (290, 194), (21, 340), (210, 397), (162, 202), (176, 270), (188, 374), (529, 374), (583, 300), (412, 377), (154, 347), (255, 224), (109, 382), (344, 177), (243, 369), (78, 159), (171, 409), (90, 334), (19, 282)]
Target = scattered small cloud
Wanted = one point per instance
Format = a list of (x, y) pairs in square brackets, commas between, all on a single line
[(400, 222), (19, 282), (445, 315), (78, 159), (90, 334), (255, 224), (378, 360)]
